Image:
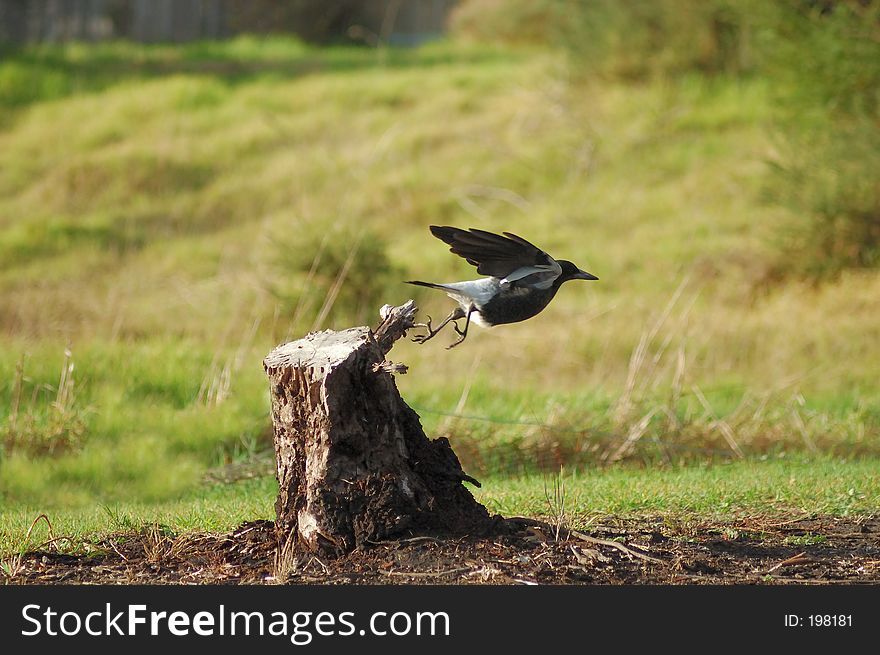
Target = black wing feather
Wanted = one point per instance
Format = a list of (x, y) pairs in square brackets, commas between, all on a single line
[(491, 253)]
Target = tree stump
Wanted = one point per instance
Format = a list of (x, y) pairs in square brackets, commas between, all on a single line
[(352, 461)]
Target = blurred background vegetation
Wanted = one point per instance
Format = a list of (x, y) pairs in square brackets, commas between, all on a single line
[(169, 211)]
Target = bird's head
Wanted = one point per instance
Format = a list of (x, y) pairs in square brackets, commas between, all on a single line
[(572, 272)]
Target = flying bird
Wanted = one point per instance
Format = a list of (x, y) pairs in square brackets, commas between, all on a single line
[(522, 280)]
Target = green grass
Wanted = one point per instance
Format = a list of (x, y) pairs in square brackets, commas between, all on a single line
[(783, 486), (213, 508), (788, 485), (161, 207)]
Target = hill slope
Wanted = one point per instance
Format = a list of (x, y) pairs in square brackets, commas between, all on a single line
[(168, 214)]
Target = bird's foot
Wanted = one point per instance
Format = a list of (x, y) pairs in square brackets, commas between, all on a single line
[(422, 338), (455, 343), (432, 331), (461, 336)]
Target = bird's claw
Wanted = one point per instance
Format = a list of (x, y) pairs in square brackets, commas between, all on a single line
[(422, 338), (461, 335)]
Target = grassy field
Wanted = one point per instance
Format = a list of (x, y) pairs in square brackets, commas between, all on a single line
[(169, 214), (796, 487)]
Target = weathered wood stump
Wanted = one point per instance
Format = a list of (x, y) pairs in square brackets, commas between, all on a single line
[(352, 461)]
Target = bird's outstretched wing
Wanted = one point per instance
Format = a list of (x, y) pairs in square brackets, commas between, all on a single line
[(509, 258)]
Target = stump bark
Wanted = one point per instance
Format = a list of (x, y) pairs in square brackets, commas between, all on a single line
[(352, 461)]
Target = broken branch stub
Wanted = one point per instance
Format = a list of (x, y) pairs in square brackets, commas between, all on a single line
[(352, 462)]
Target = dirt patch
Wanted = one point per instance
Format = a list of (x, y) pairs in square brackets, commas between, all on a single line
[(816, 550)]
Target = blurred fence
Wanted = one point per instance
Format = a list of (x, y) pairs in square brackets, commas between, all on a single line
[(403, 22), (91, 20)]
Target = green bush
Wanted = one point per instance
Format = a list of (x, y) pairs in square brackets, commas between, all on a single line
[(335, 276), (825, 58), (632, 39), (830, 180)]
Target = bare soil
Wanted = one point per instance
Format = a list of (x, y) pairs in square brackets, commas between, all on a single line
[(651, 550)]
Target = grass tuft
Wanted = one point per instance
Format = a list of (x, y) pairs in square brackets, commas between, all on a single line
[(47, 421)]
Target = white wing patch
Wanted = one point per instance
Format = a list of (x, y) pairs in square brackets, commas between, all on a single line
[(539, 276)]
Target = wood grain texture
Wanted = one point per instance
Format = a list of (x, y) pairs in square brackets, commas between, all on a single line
[(352, 461)]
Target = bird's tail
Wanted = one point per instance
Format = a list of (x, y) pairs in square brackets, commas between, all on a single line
[(430, 285)]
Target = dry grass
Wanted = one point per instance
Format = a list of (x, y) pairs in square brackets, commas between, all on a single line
[(11, 565), (50, 421)]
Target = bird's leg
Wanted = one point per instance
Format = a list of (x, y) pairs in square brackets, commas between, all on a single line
[(427, 325), (463, 333), (456, 314)]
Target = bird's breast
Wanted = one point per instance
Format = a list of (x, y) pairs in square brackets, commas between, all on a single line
[(516, 304)]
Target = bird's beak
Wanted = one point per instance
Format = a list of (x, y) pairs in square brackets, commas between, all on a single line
[(583, 275)]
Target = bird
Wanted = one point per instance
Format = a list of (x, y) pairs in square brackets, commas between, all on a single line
[(521, 280)]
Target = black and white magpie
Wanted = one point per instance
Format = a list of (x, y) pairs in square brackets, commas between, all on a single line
[(522, 280)]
